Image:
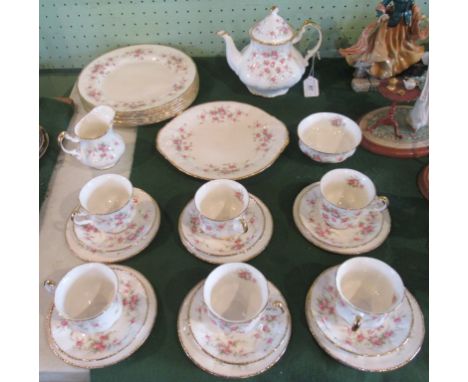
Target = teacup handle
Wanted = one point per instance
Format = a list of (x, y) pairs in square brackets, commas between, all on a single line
[(379, 204), (279, 305), (244, 225), (80, 218), (357, 323), (64, 135), (49, 286)]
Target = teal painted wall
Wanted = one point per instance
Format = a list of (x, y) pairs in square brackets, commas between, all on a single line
[(73, 32)]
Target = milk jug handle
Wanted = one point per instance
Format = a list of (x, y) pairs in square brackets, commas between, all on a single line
[(64, 135)]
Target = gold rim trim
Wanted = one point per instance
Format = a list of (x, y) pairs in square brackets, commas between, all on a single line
[(225, 176), (149, 236), (201, 367), (311, 322), (150, 295), (282, 42), (199, 253), (148, 46), (346, 251), (288, 325)]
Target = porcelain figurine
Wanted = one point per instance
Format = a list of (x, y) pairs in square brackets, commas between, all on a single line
[(389, 45), (270, 64)]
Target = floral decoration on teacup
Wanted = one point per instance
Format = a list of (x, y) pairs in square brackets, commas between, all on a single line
[(345, 195)]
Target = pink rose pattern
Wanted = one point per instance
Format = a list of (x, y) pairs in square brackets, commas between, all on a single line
[(93, 238), (102, 68), (271, 66), (276, 29), (324, 306), (108, 341), (261, 134), (354, 182), (366, 226), (232, 342), (235, 244)]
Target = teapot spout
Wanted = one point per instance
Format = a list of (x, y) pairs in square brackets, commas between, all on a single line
[(234, 57)]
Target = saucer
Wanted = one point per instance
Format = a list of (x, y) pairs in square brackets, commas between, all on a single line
[(233, 346), (245, 364), (91, 244), (236, 249), (117, 343), (370, 230), (391, 334), (379, 361)]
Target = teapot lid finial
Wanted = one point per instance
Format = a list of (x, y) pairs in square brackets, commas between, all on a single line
[(272, 30)]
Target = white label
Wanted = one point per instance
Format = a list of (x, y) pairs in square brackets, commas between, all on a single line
[(311, 87)]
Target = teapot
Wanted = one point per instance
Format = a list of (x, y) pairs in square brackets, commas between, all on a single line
[(270, 64)]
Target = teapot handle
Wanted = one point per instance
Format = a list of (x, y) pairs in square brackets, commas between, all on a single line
[(314, 50)]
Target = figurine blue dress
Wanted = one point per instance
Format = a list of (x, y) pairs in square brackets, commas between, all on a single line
[(389, 45)]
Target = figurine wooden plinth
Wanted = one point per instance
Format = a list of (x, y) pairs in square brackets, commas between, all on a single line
[(386, 131), (423, 182)]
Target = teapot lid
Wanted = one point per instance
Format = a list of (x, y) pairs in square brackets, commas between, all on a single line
[(272, 30)]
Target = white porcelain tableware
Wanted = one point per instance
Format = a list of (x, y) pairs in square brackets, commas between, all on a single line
[(239, 248), (221, 205), (347, 194), (222, 140), (365, 234), (369, 291), (236, 294), (373, 340), (106, 203), (143, 83), (381, 349), (120, 341), (99, 146), (252, 354), (87, 297), (91, 244), (328, 137), (270, 64)]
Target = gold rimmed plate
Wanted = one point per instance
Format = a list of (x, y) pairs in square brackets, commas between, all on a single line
[(222, 140)]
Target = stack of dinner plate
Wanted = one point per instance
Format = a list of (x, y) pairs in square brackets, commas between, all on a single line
[(144, 84)]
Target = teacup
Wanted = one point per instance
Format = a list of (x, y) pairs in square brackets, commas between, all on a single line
[(345, 195), (328, 137), (88, 297), (106, 203), (99, 146), (369, 290), (236, 295), (221, 205)]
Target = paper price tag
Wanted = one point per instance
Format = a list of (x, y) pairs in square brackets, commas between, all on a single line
[(311, 87)]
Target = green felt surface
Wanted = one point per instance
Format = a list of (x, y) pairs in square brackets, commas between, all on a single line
[(54, 117), (289, 261)]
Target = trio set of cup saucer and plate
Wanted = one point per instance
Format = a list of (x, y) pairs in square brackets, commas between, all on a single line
[(224, 333)]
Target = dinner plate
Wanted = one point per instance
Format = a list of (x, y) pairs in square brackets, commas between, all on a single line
[(137, 78), (224, 139)]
